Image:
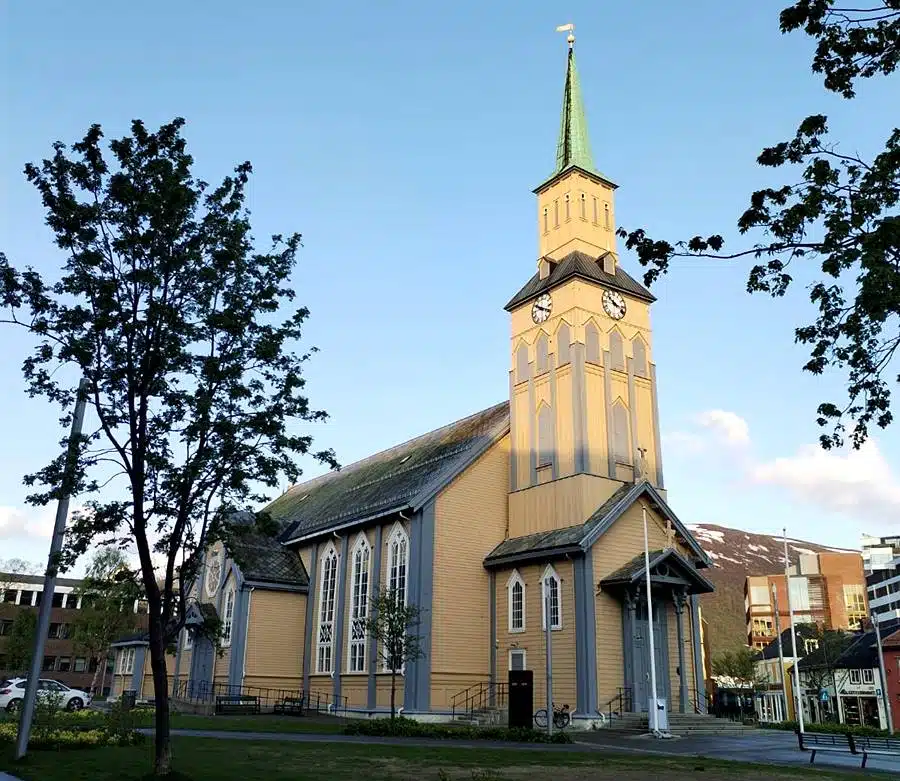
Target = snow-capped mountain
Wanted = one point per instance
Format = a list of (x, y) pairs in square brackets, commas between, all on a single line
[(735, 555)]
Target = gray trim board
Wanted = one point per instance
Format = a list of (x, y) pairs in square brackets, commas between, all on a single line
[(585, 637), (137, 673), (532, 430), (699, 678), (338, 653), (629, 608), (551, 360), (492, 612), (632, 419), (682, 673), (543, 554), (310, 615), (263, 585), (513, 452), (239, 629), (372, 650), (607, 406), (579, 407), (657, 444), (417, 675)]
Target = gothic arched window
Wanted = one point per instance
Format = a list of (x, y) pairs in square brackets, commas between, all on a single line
[(616, 350), (550, 585), (522, 363), (327, 590), (516, 598), (563, 345), (545, 436), (639, 350), (359, 605), (621, 437), (592, 343), (542, 358)]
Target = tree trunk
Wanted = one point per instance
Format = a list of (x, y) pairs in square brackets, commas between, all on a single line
[(393, 691), (163, 755), (94, 679)]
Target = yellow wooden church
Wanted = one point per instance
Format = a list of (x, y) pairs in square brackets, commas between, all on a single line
[(471, 521)]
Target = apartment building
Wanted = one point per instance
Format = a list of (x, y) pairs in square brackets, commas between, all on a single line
[(61, 660), (828, 589), (878, 553)]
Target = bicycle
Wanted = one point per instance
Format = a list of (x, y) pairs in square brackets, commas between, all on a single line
[(561, 717)]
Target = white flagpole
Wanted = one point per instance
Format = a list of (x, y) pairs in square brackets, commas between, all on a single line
[(798, 700), (654, 713)]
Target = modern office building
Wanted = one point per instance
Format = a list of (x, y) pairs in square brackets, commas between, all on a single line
[(878, 553), (828, 589)]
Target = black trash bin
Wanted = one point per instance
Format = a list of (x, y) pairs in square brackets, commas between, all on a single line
[(129, 697)]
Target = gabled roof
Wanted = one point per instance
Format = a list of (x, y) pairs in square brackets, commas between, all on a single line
[(264, 560), (580, 537), (582, 265), (405, 477), (679, 570), (803, 631)]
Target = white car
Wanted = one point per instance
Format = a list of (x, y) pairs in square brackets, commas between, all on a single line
[(12, 694)]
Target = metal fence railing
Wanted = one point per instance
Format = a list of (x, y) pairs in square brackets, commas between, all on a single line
[(205, 693)]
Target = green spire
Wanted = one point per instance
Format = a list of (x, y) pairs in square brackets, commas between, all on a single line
[(574, 147)]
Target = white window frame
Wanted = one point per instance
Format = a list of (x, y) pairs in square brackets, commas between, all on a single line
[(228, 617), (868, 676), (515, 579), (524, 657), (326, 614), (126, 661), (398, 543), (551, 574), (855, 677), (359, 605), (188, 640), (213, 587)]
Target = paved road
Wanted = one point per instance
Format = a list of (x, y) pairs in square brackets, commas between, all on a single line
[(766, 746)]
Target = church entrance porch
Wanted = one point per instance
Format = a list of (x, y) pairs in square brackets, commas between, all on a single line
[(674, 582)]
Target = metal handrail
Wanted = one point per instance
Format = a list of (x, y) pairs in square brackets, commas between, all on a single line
[(204, 692), (477, 696), (623, 699)]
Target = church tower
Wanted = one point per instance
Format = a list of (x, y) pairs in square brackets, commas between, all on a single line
[(582, 383)]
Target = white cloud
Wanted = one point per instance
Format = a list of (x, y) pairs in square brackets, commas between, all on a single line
[(31, 522), (709, 428), (726, 426), (854, 482)]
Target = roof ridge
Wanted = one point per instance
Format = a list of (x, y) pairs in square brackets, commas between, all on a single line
[(308, 484)]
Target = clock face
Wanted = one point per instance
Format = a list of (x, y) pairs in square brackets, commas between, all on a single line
[(540, 311), (613, 304)]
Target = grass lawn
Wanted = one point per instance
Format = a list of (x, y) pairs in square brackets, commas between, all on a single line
[(222, 760)]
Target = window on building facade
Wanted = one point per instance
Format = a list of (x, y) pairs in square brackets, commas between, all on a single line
[(759, 595), (563, 345), (359, 606), (188, 639), (126, 661), (58, 599), (516, 597), (55, 631), (583, 202), (606, 216), (48, 664), (550, 585), (542, 357), (517, 659), (546, 220), (868, 676), (228, 617), (80, 664), (595, 211), (327, 589), (799, 594), (855, 677), (5, 626), (568, 208), (762, 626), (810, 644), (556, 213), (592, 343), (398, 566)]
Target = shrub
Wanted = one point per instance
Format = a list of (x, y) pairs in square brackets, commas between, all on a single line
[(69, 738), (830, 728), (408, 728)]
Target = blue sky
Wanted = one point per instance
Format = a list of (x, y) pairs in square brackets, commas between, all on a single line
[(404, 141)]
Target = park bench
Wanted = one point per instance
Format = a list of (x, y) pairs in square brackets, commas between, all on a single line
[(236, 703), (835, 743), (889, 747), (291, 705)]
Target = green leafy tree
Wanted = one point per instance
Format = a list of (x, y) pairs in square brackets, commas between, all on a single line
[(194, 380), (739, 664), (108, 594), (839, 211), (20, 640), (393, 624)]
